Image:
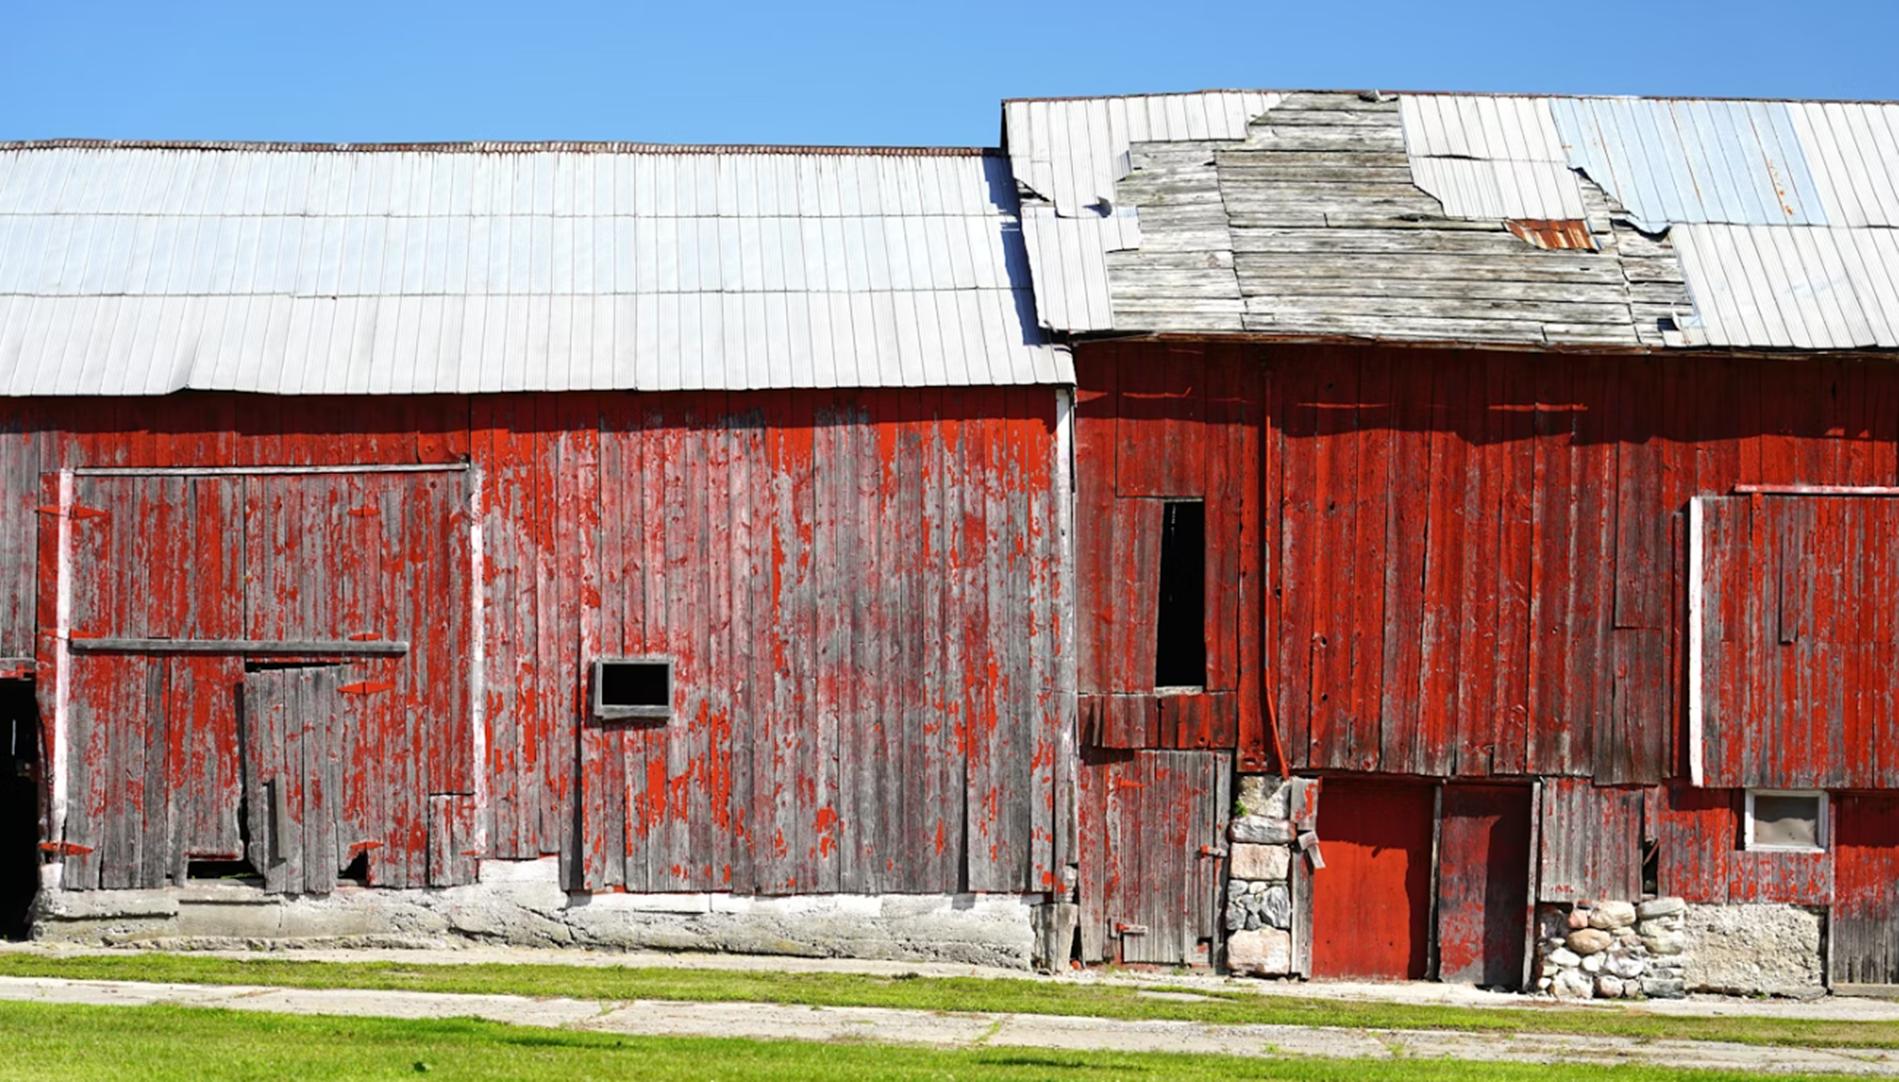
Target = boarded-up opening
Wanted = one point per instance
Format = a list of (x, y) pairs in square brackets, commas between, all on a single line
[(19, 807), (1371, 903), (1483, 884), (1865, 926), (1180, 644)]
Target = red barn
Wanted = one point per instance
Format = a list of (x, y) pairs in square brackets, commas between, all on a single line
[(1538, 458), (557, 543), (1326, 534)]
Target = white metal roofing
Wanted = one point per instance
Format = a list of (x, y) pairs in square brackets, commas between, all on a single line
[(1793, 287), (1807, 193), (1071, 151), (307, 270)]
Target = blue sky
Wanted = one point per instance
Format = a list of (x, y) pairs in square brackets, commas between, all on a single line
[(875, 73)]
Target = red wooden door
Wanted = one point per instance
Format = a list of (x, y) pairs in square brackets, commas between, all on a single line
[(1371, 903), (1866, 888), (1483, 887)]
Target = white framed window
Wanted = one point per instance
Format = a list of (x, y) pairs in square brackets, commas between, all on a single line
[(1786, 820)]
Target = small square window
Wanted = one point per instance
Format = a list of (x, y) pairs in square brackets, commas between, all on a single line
[(633, 687), (1784, 820)]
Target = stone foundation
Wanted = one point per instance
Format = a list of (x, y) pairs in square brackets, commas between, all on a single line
[(522, 904), (1612, 949), (1258, 887)]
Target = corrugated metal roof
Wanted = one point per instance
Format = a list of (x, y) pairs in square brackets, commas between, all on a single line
[(1674, 160), (1852, 151), (1500, 189), (1071, 151), (140, 270), (1793, 287)]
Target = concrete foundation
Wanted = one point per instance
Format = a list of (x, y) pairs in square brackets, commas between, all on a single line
[(1755, 949), (521, 903)]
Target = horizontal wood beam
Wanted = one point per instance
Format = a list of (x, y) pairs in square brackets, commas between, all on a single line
[(254, 471), (276, 647), (1816, 490)]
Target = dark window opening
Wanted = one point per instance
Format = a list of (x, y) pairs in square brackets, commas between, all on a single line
[(1180, 647), (357, 870), (19, 807), (221, 869), (633, 688), (1652, 869)]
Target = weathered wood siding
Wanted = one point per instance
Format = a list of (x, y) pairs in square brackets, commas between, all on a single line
[(155, 776), (1166, 426), (1865, 918), (862, 593), (1800, 641), (1475, 560), (1152, 826), (1702, 856), (1589, 841)]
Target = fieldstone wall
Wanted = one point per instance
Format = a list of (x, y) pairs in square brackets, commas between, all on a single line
[(1258, 886), (1613, 949)]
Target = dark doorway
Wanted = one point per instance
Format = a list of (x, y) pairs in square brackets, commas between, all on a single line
[(1483, 893), (1371, 903), (19, 807)]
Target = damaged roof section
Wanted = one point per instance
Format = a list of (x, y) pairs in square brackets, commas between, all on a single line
[(297, 269), (1492, 218)]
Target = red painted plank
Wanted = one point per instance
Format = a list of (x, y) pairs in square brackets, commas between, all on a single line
[(1159, 412), (1483, 908), (1371, 903)]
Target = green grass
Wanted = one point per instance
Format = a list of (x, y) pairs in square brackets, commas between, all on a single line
[(156, 1044), (942, 994)]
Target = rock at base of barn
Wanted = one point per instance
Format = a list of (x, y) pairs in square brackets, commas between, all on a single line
[(520, 903), (1593, 951), (1264, 952)]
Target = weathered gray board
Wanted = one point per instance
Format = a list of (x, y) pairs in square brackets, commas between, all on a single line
[(293, 736), (1313, 226)]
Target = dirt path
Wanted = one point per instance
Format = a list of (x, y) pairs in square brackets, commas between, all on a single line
[(771, 1021)]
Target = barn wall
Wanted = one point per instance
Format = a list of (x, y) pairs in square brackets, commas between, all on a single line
[(1475, 558), (862, 593), (1180, 425), (1799, 641)]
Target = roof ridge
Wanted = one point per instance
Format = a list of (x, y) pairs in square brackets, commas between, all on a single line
[(1450, 93), (484, 146)]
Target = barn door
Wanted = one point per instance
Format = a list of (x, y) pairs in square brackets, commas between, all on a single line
[(1371, 903), (293, 739), (189, 594), (1865, 927), (1151, 827), (1483, 903)]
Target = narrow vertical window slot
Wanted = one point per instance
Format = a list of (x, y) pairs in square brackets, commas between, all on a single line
[(1180, 647)]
